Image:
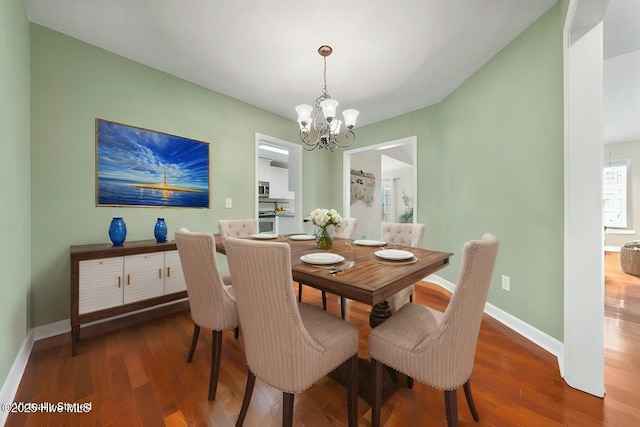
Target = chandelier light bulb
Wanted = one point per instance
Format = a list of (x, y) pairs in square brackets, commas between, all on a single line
[(350, 117)]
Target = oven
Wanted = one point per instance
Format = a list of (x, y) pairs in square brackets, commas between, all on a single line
[(267, 222)]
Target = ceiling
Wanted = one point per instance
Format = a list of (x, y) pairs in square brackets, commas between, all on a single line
[(389, 58)]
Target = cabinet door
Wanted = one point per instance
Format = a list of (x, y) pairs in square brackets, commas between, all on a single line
[(173, 277), (279, 183), (143, 276), (100, 285)]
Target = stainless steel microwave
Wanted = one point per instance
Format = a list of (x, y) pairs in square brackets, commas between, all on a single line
[(263, 189)]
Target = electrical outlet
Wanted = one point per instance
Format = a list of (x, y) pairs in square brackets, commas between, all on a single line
[(506, 283), (228, 203)]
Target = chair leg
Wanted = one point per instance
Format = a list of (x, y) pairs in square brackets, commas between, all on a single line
[(472, 407), (343, 305), (299, 292), (451, 406), (287, 409), (352, 392), (194, 342), (409, 382), (324, 300), (410, 297), (236, 332), (216, 352), (248, 391), (376, 392)]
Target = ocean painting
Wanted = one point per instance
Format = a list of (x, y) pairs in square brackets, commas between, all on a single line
[(140, 167)]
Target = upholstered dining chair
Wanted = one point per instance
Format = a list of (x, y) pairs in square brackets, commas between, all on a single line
[(394, 233), (346, 230), (288, 345), (211, 300), (438, 348), (237, 227)]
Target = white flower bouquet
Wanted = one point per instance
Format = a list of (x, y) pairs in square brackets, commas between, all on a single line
[(324, 217)]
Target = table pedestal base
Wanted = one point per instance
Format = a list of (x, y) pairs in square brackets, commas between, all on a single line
[(391, 379)]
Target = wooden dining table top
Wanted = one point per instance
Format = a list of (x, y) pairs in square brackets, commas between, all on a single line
[(371, 280)]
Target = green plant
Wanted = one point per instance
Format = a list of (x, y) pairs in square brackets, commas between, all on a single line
[(407, 216)]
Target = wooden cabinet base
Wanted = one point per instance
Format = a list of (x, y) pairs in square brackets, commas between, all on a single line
[(101, 251)]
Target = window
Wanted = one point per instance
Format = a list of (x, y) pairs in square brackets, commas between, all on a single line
[(614, 194)]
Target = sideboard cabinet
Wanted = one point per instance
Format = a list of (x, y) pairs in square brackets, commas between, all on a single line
[(107, 280)]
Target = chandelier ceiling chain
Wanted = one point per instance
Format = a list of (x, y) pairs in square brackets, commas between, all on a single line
[(325, 124)]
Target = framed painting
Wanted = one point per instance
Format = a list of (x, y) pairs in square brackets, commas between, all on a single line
[(141, 167)]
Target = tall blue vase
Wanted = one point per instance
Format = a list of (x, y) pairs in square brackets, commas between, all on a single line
[(117, 231), (160, 231)]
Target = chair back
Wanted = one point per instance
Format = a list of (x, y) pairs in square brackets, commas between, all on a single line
[(278, 348), (212, 306), (452, 346), (237, 227), (346, 229), (402, 234)]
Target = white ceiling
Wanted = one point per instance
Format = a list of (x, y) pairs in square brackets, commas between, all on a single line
[(389, 57)]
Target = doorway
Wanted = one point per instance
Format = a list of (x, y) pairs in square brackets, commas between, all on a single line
[(391, 165), (283, 160)]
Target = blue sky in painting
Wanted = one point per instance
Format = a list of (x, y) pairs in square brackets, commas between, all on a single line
[(141, 156)]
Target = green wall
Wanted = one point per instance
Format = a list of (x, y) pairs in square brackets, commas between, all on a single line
[(72, 84), (491, 158), (15, 181)]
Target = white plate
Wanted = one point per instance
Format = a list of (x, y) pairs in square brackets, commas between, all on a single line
[(321, 258), (394, 254), (264, 236), (302, 237), (369, 242)]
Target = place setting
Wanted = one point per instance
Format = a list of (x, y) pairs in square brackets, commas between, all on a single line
[(395, 257), (327, 260)]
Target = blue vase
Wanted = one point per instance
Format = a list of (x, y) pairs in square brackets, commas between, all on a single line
[(160, 231), (117, 231)]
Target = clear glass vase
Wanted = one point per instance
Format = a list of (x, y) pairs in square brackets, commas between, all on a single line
[(323, 238)]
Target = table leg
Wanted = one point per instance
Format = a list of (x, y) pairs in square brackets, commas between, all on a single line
[(379, 313)]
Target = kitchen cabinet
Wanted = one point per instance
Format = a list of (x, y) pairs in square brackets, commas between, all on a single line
[(264, 170), (279, 184), (287, 224), (107, 280)]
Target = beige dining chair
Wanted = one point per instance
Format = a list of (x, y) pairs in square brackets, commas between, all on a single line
[(212, 302), (288, 345), (237, 227), (394, 233), (346, 230), (438, 348)]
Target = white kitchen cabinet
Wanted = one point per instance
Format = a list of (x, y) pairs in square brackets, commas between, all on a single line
[(111, 280), (279, 188), (264, 170)]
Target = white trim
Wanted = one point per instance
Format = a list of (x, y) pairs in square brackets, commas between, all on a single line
[(11, 384), (612, 248), (536, 336)]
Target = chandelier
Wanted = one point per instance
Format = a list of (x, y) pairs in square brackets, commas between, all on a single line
[(324, 121)]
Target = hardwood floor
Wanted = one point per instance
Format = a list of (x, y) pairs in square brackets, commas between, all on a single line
[(133, 371)]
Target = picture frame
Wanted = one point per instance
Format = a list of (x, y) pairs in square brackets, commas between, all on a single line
[(137, 167)]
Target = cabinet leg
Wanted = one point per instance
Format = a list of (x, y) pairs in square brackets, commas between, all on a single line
[(75, 337)]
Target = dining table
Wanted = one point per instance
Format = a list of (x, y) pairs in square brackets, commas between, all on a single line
[(361, 275), (367, 271)]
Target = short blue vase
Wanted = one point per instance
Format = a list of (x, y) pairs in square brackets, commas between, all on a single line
[(117, 231), (160, 231)]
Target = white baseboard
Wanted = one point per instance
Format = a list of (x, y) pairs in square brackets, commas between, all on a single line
[(546, 341), (11, 384)]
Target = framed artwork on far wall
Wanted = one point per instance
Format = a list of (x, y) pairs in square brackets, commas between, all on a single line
[(140, 167)]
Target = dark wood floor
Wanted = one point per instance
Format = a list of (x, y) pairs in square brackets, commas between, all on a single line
[(134, 373)]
